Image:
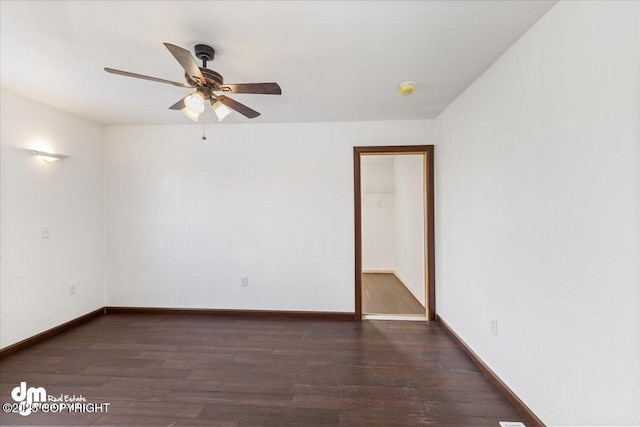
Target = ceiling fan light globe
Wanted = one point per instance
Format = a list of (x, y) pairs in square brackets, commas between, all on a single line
[(195, 102), (190, 114), (221, 110)]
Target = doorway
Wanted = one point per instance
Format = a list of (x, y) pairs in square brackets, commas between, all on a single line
[(380, 288)]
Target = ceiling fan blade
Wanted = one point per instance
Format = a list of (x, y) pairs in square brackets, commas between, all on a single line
[(178, 105), (240, 108), (258, 88), (185, 59), (141, 76)]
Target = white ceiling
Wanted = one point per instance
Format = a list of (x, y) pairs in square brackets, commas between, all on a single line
[(335, 61)]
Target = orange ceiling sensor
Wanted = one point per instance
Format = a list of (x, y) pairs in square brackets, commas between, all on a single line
[(407, 88)]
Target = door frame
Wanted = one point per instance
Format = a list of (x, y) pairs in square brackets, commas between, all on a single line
[(430, 268)]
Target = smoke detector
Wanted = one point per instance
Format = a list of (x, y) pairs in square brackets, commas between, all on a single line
[(407, 88)]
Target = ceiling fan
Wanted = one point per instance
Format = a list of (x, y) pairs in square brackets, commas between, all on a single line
[(209, 85)]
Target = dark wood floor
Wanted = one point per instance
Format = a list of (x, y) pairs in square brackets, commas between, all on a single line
[(217, 371), (384, 293)]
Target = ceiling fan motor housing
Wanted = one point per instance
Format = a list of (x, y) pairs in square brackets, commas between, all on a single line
[(212, 78), (211, 75)]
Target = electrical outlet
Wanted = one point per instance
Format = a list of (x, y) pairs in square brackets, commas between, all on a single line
[(72, 289), (46, 232), (511, 424), (244, 281), (493, 325)]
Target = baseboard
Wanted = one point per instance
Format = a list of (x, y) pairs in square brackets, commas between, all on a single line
[(326, 315), (527, 413), (50, 333)]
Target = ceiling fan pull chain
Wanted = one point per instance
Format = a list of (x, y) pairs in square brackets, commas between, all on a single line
[(204, 131)]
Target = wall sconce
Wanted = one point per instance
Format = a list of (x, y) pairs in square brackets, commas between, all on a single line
[(48, 157)]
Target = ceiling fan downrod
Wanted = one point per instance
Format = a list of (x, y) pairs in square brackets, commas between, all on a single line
[(205, 52)]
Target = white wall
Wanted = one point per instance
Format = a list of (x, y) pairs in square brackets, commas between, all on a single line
[(378, 213), (185, 220), (538, 215), (67, 196), (409, 223)]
